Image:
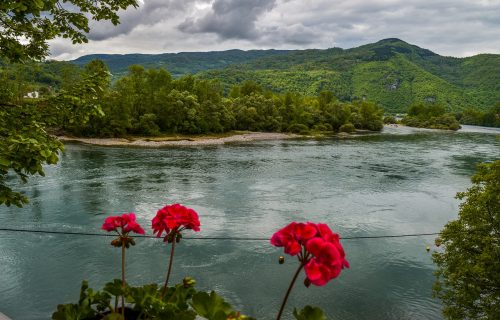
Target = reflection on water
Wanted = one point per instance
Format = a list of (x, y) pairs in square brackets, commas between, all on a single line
[(401, 181)]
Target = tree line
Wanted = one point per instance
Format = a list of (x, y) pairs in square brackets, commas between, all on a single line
[(487, 118), (432, 115)]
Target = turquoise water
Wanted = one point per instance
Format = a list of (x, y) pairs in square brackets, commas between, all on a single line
[(398, 182)]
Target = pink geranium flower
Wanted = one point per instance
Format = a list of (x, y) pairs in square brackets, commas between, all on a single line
[(173, 219), (122, 224), (294, 236), (318, 249)]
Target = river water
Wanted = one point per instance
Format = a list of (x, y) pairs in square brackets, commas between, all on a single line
[(402, 181)]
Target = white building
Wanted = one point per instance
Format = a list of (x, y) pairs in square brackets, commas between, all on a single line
[(32, 95)]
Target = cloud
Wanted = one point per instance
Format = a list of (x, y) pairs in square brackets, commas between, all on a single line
[(149, 13), (230, 19), (447, 27)]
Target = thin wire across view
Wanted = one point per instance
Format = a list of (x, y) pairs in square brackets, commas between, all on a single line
[(207, 238)]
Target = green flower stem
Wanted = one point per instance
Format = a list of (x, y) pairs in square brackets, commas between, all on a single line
[(289, 290), (123, 276), (169, 268)]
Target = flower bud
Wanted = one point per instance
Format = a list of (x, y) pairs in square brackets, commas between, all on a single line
[(307, 282), (171, 237), (188, 282), (131, 241), (281, 260), (116, 243), (236, 316)]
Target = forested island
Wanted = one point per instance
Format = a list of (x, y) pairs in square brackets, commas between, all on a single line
[(432, 116), (151, 102)]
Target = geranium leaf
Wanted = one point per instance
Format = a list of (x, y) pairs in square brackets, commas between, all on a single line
[(309, 313), (210, 306)]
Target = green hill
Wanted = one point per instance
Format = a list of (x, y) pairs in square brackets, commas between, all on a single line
[(178, 63), (390, 72)]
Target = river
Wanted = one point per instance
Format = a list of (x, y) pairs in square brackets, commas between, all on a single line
[(402, 181)]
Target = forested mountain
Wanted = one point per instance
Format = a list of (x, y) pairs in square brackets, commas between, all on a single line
[(178, 63), (390, 72)]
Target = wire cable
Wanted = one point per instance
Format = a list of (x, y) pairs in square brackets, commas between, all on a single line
[(75, 233)]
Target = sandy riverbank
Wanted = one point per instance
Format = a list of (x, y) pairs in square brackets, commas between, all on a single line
[(187, 141), (235, 137)]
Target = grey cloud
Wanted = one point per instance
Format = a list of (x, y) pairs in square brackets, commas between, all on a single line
[(296, 34), (60, 48), (230, 19), (447, 27), (148, 14)]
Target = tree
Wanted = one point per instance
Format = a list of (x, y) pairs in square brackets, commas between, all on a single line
[(25, 28), (25, 144), (368, 116), (468, 274)]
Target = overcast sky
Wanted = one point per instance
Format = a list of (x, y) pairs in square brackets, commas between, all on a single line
[(449, 27)]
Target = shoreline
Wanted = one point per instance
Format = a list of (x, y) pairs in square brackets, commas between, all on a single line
[(237, 137), (156, 142)]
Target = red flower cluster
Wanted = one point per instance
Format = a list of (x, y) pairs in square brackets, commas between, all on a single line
[(175, 218), (319, 249), (126, 222)]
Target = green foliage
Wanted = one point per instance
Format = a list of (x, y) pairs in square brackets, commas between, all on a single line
[(147, 124), (487, 118), (88, 306), (26, 26), (25, 144), (347, 127), (309, 313), (390, 120), (181, 63), (298, 128), (431, 116), (181, 302), (367, 115), (467, 276), (211, 306), (24, 148), (480, 78)]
